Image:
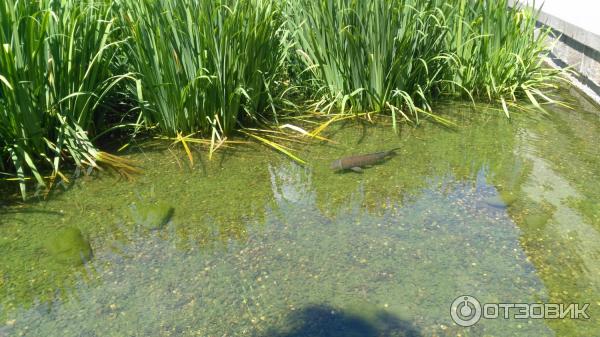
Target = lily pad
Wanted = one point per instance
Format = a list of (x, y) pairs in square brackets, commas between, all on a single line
[(152, 215), (68, 246)]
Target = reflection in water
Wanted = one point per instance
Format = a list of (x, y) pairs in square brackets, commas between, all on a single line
[(567, 224), (566, 245), (392, 273), (292, 184)]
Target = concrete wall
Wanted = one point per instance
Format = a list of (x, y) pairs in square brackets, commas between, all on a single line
[(576, 30)]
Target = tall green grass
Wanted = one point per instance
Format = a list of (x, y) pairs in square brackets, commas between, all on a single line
[(205, 66), (208, 67), (55, 60), (400, 55), (497, 53), (370, 55)]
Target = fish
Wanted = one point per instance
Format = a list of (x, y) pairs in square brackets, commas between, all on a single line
[(356, 163)]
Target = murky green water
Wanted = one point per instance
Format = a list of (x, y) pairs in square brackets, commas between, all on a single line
[(505, 211)]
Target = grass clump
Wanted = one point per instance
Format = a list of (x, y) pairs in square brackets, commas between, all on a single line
[(204, 65), (497, 54), (400, 55), (55, 61), (369, 55), (209, 67)]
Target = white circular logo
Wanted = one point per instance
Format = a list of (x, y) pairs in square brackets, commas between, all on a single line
[(465, 311)]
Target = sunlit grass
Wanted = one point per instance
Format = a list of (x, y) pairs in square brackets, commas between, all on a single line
[(398, 56), (198, 71), (497, 54), (369, 55), (55, 61), (205, 66)]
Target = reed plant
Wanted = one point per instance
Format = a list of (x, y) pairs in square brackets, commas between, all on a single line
[(400, 55), (205, 66), (370, 55), (209, 67), (497, 52), (55, 61)]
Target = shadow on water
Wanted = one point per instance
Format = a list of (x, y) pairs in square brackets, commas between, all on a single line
[(323, 320), (6, 210)]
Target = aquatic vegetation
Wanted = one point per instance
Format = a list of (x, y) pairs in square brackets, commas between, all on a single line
[(357, 57), (404, 238), (204, 66), (364, 267), (369, 55), (537, 220), (258, 245), (496, 53), (152, 215), (73, 71), (501, 200), (69, 246), (55, 71)]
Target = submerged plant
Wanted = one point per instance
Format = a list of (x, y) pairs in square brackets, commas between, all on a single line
[(55, 59)]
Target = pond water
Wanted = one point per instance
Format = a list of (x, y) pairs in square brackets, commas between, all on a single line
[(251, 244)]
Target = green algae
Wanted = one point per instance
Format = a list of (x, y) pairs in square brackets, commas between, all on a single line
[(69, 246), (501, 200), (357, 263), (536, 220), (589, 209), (152, 215)]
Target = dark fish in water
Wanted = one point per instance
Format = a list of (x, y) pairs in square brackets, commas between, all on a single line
[(356, 163)]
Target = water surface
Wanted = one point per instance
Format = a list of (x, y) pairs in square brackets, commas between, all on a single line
[(505, 211)]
